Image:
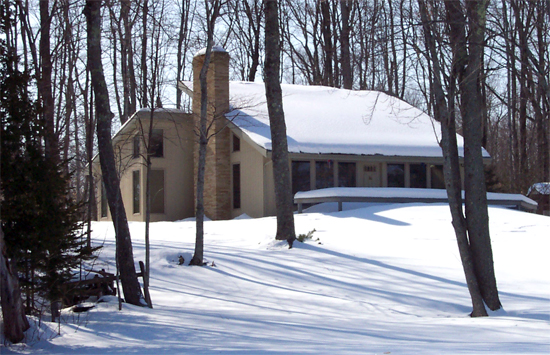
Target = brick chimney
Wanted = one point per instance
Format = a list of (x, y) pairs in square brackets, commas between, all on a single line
[(217, 186)]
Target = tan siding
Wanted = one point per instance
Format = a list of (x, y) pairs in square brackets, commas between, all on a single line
[(177, 164), (252, 180)]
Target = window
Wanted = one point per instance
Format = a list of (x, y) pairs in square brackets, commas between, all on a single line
[(300, 176), (157, 191), (346, 175), (418, 175), (236, 186), (396, 175), (156, 150), (104, 204), (137, 143), (437, 177), (136, 191), (370, 169), (236, 143), (324, 174)]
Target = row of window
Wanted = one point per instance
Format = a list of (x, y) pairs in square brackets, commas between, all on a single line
[(347, 176), (417, 176), (324, 175)]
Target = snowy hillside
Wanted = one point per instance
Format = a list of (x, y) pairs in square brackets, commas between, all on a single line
[(381, 279)]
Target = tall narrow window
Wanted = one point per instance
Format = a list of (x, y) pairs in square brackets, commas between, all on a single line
[(104, 204), (346, 175), (300, 176), (396, 175), (137, 143), (418, 175), (157, 191), (136, 191), (437, 178), (324, 174), (236, 143), (156, 149), (236, 186)]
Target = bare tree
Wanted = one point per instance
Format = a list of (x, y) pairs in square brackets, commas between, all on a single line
[(471, 229), (347, 74), (124, 254), (184, 33), (273, 93), (245, 37), (212, 13)]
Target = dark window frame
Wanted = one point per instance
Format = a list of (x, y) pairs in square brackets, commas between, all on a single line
[(395, 171), (136, 192), (236, 144), (104, 203), (236, 174), (136, 146), (347, 176), (158, 196), (324, 178), (300, 180), (156, 141), (418, 176)]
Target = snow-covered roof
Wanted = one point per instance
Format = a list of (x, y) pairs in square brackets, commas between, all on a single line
[(542, 188), (381, 194), (214, 49), (325, 120)]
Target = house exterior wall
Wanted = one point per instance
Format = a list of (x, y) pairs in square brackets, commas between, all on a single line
[(251, 164), (177, 163)]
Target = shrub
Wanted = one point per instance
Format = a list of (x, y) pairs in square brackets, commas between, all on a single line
[(303, 237)]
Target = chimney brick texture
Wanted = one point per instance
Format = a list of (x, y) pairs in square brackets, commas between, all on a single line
[(217, 185)]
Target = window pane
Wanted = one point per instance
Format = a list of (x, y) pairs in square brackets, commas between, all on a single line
[(437, 177), (346, 175), (324, 174), (236, 186), (137, 140), (103, 200), (136, 191), (418, 175), (156, 149), (300, 176), (396, 175), (157, 191), (236, 143)]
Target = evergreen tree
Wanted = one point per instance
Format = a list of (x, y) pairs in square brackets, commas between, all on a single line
[(38, 215)]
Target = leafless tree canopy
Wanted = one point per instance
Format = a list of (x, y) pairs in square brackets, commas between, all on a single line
[(367, 45)]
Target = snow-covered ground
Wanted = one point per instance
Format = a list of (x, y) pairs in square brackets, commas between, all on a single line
[(374, 279)]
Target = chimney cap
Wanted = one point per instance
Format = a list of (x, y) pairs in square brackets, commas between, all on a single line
[(214, 49)]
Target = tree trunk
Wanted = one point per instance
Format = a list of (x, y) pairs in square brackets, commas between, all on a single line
[(451, 162), (468, 55), (212, 15), (13, 311), (45, 81), (124, 254), (273, 93), (144, 90), (347, 77), (328, 78), (182, 49)]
